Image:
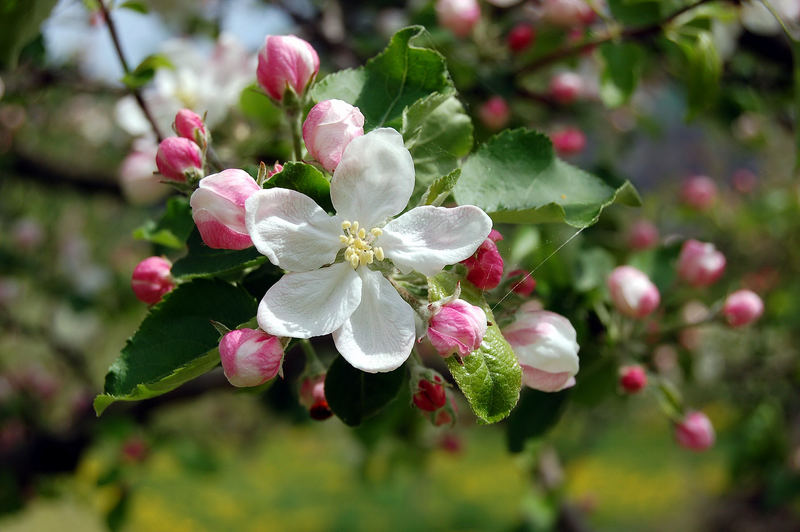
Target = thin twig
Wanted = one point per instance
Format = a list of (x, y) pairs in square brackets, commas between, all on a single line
[(112, 29)]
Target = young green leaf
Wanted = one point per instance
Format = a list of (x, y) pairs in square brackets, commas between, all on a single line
[(203, 261), (145, 71), (19, 25), (355, 396), (622, 67), (304, 178), (440, 189), (135, 5), (173, 228), (516, 178)]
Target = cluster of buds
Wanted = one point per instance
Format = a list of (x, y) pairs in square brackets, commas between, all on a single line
[(458, 16), (485, 266), (152, 279), (546, 346), (181, 159), (429, 395), (250, 357)]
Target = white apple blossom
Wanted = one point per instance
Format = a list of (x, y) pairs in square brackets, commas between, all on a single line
[(330, 287)]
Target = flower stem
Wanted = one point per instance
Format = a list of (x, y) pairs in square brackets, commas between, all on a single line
[(313, 364), (293, 114), (112, 29)]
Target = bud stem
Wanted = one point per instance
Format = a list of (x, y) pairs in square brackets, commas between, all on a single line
[(293, 114), (313, 364)]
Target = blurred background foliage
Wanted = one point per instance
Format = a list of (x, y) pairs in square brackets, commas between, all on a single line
[(209, 457)]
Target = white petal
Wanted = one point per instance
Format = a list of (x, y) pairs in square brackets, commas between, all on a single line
[(302, 305), (428, 238), (291, 230), (374, 179), (380, 333)]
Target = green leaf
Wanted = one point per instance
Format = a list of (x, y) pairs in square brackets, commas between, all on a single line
[(658, 264), (144, 72), (355, 396), (641, 12), (516, 178), (622, 68), (703, 67), (440, 189), (176, 342), (173, 228), (19, 25), (389, 82), (490, 377), (592, 269), (257, 105), (304, 178), (203, 261), (135, 5), (438, 132), (796, 76), (536, 413)]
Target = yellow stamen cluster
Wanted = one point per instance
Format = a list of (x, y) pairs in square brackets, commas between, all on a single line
[(360, 250)]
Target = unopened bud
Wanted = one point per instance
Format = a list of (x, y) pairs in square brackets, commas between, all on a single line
[(485, 266), (695, 432), (643, 234), (459, 16), (569, 141), (276, 169), (520, 37), (329, 128), (179, 159), (430, 395), (457, 328), (189, 125), (312, 396), (699, 263), (567, 13), (250, 357), (632, 292), (286, 61), (632, 379), (546, 346), (494, 114), (742, 307), (151, 279), (699, 192), (218, 208), (566, 87), (524, 285)]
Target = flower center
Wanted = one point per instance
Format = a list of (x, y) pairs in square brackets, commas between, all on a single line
[(360, 250)]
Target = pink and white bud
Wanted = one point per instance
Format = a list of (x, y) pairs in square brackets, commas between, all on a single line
[(524, 285), (250, 357), (459, 16), (137, 177), (179, 159), (430, 395), (286, 61), (329, 128), (494, 113), (695, 432), (569, 141), (546, 346), (567, 13), (632, 379), (485, 266), (218, 208), (643, 234), (151, 279), (189, 125), (457, 328), (566, 87), (742, 307), (700, 264), (521, 37), (699, 192), (312, 396), (632, 292)]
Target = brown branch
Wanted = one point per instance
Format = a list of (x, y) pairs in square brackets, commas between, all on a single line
[(112, 29), (641, 32)]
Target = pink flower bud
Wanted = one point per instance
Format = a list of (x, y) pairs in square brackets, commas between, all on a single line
[(642, 235), (695, 432), (457, 328), (520, 37), (189, 125), (151, 279), (284, 62), (135, 449), (632, 292), (276, 169), (459, 16), (546, 346), (250, 357), (524, 285), (494, 113), (700, 264), (443, 417), (744, 181), (179, 159), (632, 379), (742, 307), (566, 87), (329, 128), (569, 141), (567, 13), (485, 266), (430, 396), (699, 192), (140, 184), (218, 208), (312, 396)]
